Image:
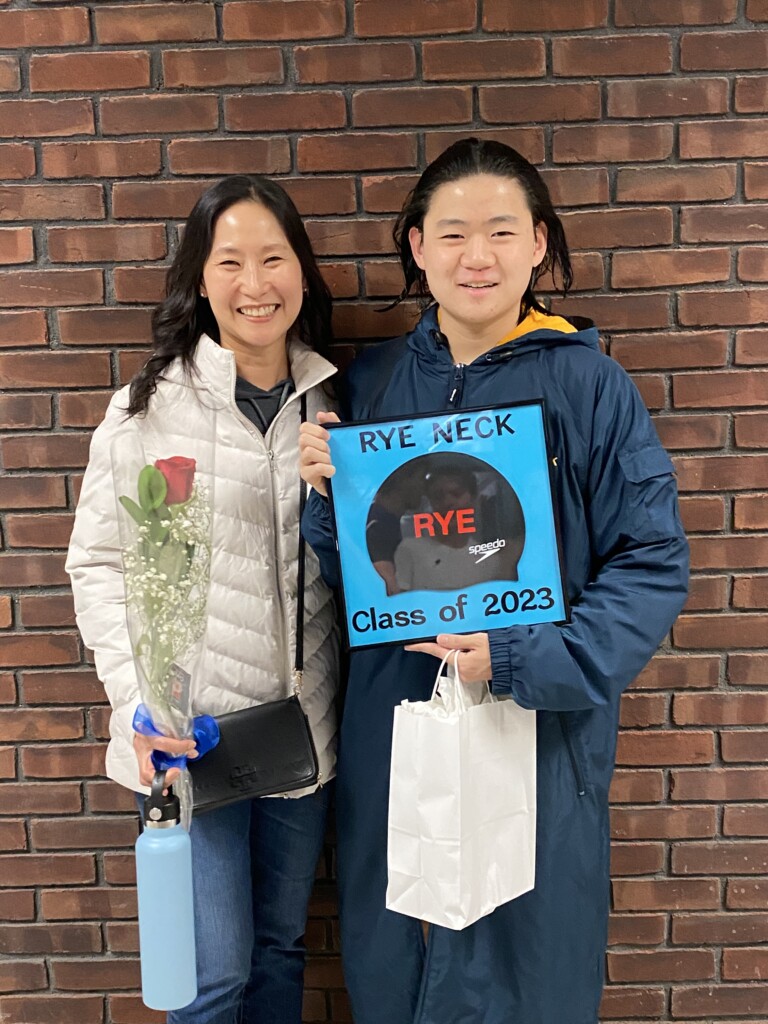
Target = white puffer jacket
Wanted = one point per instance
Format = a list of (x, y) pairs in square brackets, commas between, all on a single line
[(251, 630)]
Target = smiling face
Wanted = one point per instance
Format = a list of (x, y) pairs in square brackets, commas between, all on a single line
[(478, 247), (252, 280)]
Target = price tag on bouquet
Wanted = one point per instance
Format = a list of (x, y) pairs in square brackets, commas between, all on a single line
[(446, 523)]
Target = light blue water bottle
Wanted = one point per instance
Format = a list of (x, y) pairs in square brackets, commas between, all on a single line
[(166, 914)]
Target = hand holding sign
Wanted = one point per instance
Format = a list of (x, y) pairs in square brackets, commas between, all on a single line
[(315, 463), (474, 649)]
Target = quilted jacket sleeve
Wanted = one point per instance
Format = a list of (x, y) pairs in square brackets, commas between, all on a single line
[(641, 582), (96, 574)]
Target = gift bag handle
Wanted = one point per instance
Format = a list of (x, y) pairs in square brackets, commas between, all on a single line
[(457, 675)]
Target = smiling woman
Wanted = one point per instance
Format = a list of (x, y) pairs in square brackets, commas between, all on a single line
[(236, 354)]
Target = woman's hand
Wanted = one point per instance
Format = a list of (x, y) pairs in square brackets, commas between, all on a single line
[(315, 463), (144, 745), (473, 655)]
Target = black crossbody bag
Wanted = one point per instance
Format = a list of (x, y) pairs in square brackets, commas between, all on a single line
[(267, 749)]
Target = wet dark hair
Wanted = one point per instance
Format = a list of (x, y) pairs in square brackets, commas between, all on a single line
[(184, 314), (464, 159)]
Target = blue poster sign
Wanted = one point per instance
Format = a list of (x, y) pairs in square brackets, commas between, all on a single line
[(445, 523)]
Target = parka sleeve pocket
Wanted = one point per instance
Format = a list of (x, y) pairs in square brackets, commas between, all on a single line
[(650, 494)]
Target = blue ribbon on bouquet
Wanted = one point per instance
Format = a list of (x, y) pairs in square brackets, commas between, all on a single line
[(205, 732)]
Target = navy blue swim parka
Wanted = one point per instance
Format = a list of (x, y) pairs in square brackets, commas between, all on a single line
[(540, 958)]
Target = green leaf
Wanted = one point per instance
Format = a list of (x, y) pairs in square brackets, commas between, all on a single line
[(133, 509), (157, 532), (152, 488)]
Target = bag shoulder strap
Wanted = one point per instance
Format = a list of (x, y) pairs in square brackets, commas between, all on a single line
[(299, 662)]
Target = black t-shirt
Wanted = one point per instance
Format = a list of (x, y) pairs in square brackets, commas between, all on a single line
[(261, 406)]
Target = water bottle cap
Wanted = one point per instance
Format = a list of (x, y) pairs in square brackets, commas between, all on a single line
[(161, 810)]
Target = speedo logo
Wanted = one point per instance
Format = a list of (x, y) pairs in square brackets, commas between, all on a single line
[(486, 550)]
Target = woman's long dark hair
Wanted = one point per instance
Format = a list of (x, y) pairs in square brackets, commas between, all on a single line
[(185, 314), (463, 160)]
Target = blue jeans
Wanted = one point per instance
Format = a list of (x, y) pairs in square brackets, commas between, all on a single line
[(253, 865)]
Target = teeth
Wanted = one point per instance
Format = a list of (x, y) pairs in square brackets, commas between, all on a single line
[(478, 286), (258, 310)]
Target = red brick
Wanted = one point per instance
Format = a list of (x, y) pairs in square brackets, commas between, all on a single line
[(84, 904), (41, 118), (16, 905), (83, 833), (481, 59), (636, 929), (753, 264), (692, 431), (728, 389), (675, 184), (285, 111), (639, 710), (78, 975), (18, 160), (372, 108), (37, 29), (59, 1008), (720, 631), (745, 964), (679, 350), (166, 199), (51, 868), (751, 347), (16, 246), (720, 858), (612, 143), (744, 747), (32, 492), (37, 649), (529, 142), (727, 51), (720, 1000), (271, 20), (660, 267), (603, 56), (101, 159), (6, 619), (50, 938), (540, 103), (721, 784), (32, 570), (358, 321), (51, 610), (119, 868), (167, 22), (89, 72), (139, 284), (84, 409), (77, 687), (748, 669), (598, 229), (64, 761), (129, 363), (723, 307), (51, 202), (747, 894), (229, 156), (33, 451), (633, 13), (104, 327), (23, 976), (740, 472), (674, 822), (39, 798), (702, 515), (662, 965), (707, 593), (519, 16), (750, 821), (751, 95), (107, 243), (356, 151), (385, 193), (623, 1001), (7, 763), (637, 787), (576, 186), (126, 1009), (39, 531), (619, 313), (666, 97), (636, 859), (10, 77), (402, 18), (12, 835), (750, 512), (25, 329), (352, 236), (746, 223), (356, 62), (129, 115), (756, 181), (733, 137), (233, 65), (757, 10), (664, 747), (108, 797), (52, 288), (666, 894), (750, 592)]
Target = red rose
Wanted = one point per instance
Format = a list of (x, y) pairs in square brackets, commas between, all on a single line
[(179, 474)]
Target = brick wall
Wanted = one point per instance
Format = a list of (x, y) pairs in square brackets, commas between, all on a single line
[(648, 118)]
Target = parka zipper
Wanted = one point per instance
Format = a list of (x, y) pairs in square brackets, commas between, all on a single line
[(457, 384), (578, 774)]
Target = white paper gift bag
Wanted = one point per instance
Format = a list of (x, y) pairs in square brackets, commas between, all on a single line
[(462, 804)]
